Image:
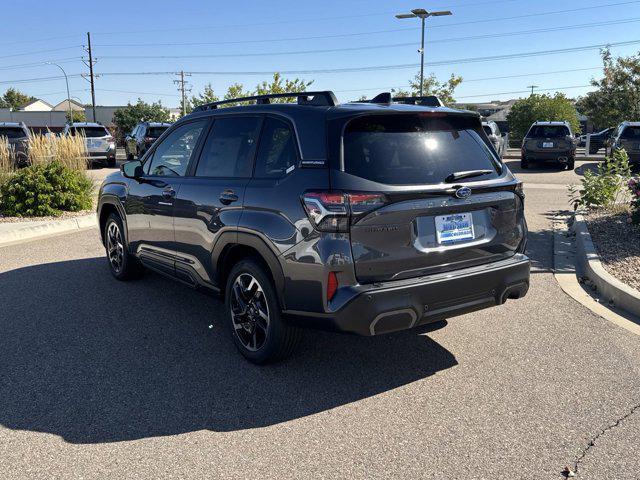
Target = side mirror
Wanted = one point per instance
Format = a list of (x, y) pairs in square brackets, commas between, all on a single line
[(132, 169)]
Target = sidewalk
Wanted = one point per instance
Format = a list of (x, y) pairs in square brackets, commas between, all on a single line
[(14, 232)]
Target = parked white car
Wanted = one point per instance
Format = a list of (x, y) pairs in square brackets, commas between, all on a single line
[(100, 143)]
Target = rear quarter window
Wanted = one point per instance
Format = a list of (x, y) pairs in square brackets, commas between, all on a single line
[(415, 149), (12, 132)]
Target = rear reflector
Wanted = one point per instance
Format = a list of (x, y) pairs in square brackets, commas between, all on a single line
[(332, 285)]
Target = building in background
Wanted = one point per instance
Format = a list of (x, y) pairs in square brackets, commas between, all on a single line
[(37, 105)]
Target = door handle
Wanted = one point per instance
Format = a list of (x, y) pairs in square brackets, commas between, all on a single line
[(168, 193), (228, 196)]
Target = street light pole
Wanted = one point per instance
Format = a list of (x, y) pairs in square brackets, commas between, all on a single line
[(422, 14), (66, 79)]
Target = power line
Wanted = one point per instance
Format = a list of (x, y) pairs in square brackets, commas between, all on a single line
[(38, 64), (41, 51), (524, 91), (367, 47), (279, 22), (318, 37)]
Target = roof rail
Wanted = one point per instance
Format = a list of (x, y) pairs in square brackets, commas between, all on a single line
[(324, 98), (427, 101), (385, 97)]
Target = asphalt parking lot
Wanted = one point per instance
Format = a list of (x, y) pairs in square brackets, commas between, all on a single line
[(102, 379)]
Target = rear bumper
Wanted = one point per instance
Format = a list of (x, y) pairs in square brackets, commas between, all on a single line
[(556, 155), (103, 155), (392, 306)]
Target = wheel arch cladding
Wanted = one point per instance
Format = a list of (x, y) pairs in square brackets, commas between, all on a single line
[(248, 246)]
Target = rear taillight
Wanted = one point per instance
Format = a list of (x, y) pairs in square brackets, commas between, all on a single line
[(148, 139), (333, 211), (332, 285)]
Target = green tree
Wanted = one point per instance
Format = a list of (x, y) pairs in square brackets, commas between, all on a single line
[(431, 86), (617, 97), (15, 99), (541, 108), (76, 116), (207, 96), (126, 118), (282, 85)]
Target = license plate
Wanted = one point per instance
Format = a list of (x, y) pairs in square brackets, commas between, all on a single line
[(454, 228), (547, 144)]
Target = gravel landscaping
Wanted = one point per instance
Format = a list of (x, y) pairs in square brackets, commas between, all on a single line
[(618, 244)]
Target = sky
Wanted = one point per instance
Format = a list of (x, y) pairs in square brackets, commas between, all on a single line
[(351, 47)]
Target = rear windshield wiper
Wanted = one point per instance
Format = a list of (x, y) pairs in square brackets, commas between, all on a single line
[(468, 174)]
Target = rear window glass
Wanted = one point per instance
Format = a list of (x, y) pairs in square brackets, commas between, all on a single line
[(12, 132), (90, 132), (155, 132), (631, 133), (415, 149), (547, 131)]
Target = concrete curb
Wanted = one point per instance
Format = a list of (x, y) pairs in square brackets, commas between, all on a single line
[(564, 250), (588, 261), (25, 231)]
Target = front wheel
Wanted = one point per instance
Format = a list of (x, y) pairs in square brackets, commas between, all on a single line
[(524, 163), (122, 264), (254, 317)]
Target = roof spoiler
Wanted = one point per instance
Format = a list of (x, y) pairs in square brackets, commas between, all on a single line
[(324, 98)]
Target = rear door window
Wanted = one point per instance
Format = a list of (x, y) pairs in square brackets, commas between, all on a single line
[(415, 149), (277, 152), (548, 131), (155, 132), (229, 149)]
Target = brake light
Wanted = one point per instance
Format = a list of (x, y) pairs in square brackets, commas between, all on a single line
[(332, 285), (148, 139), (333, 211)]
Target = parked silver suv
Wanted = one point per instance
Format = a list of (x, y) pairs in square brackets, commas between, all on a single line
[(17, 135), (100, 143), (495, 136)]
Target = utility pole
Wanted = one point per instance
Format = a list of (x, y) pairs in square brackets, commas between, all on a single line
[(532, 87), (183, 88), (90, 64), (93, 90)]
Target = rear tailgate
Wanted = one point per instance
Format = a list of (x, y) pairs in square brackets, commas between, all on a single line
[(423, 227)]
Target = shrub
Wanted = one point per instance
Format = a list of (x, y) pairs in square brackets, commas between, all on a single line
[(45, 189), (607, 186), (634, 186)]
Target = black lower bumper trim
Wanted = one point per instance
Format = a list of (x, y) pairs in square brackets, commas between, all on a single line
[(397, 306)]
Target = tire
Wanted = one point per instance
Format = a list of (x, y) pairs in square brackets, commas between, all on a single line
[(524, 163), (111, 162), (571, 164), (126, 266), (260, 340), (129, 156)]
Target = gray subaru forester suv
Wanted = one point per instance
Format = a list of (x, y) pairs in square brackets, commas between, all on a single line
[(365, 218)]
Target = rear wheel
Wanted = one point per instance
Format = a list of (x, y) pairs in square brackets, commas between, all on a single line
[(571, 164), (111, 162), (524, 163), (254, 317), (122, 264)]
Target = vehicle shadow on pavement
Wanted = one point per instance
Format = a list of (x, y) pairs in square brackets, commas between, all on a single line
[(92, 360)]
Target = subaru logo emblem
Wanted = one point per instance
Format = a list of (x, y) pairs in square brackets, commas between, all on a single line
[(463, 192)]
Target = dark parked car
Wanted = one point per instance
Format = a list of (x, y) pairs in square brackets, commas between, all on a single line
[(365, 217), (597, 141), (101, 145), (17, 135), (549, 141), (495, 136), (142, 137), (626, 136)]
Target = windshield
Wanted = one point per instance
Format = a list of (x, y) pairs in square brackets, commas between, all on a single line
[(155, 132), (631, 133), (89, 132), (415, 149), (548, 131), (12, 132)]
